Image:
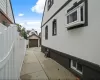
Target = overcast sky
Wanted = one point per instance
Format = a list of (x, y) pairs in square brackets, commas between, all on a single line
[(28, 13)]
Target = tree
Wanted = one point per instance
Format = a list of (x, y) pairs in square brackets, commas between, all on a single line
[(19, 27), (22, 31)]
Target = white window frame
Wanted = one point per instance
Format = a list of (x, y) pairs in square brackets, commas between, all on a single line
[(78, 21), (75, 68)]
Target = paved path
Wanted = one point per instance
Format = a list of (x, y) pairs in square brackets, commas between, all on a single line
[(37, 67)]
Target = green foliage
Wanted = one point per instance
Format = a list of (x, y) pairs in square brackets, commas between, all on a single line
[(19, 27), (22, 31)]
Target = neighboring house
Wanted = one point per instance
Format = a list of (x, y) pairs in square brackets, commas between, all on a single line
[(6, 13), (71, 35), (30, 32), (33, 39)]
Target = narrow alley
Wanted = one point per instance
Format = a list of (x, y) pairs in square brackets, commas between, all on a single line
[(37, 67)]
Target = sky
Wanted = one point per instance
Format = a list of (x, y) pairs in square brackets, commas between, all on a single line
[(28, 13)]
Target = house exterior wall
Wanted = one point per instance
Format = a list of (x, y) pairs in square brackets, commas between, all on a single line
[(57, 4), (5, 8), (34, 37), (9, 11), (3, 18), (83, 42)]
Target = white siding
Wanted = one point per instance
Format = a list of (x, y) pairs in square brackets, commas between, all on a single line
[(34, 37), (9, 11), (83, 42), (6, 8), (3, 5), (57, 4)]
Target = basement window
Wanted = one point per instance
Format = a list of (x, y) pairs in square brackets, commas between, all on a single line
[(76, 16), (77, 66), (74, 64)]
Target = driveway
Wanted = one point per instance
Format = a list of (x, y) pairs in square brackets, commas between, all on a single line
[(37, 67)]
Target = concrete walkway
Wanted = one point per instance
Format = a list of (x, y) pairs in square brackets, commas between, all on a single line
[(37, 67)]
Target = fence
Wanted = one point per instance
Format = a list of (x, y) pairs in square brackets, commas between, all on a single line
[(12, 52)]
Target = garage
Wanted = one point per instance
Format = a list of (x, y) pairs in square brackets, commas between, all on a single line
[(33, 43)]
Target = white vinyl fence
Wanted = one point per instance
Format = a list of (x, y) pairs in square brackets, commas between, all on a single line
[(12, 52)]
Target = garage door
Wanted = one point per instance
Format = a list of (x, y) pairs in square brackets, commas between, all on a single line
[(33, 43)]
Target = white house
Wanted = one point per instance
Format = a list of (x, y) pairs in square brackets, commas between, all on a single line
[(33, 38), (30, 32), (70, 34)]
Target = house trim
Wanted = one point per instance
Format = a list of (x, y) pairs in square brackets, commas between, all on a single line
[(86, 14), (5, 16), (90, 70), (43, 12), (1, 11), (42, 20), (33, 35), (66, 3), (12, 10)]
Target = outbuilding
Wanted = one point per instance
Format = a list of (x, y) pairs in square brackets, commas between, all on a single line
[(34, 41)]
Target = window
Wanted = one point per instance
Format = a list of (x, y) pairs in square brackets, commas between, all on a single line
[(76, 16), (72, 17), (46, 32), (74, 63), (76, 66), (50, 3), (79, 67), (54, 27)]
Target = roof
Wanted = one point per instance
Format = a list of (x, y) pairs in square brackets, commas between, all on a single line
[(31, 32), (28, 31), (33, 35)]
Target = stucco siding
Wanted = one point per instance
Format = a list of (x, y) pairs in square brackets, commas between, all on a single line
[(83, 42), (57, 4)]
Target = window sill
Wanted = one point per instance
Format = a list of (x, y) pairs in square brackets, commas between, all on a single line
[(74, 25), (76, 70), (54, 34)]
